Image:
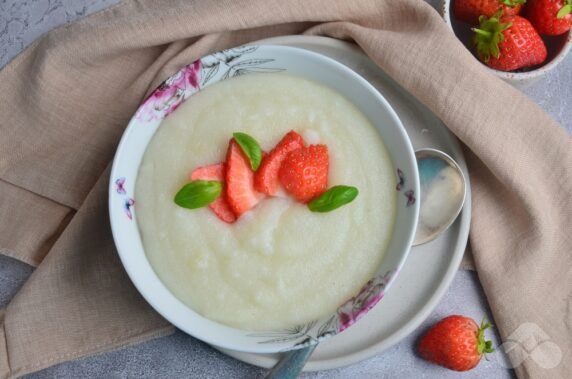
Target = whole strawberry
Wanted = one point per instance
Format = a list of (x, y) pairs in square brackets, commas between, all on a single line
[(455, 342), (508, 43), (550, 17), (469, 11)]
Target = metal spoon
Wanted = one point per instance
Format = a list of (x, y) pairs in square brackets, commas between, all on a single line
[(443, 190)]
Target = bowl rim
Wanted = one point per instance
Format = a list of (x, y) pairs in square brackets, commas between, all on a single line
[(515, 76), (131, 268)]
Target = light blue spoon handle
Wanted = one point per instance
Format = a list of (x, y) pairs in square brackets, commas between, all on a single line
[(291, 364)]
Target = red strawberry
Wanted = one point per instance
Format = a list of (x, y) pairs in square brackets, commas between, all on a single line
[(550, 17), (469, 11), (456, 342), (304, 172), (240, 191), (266, 177), (220, 206), (508, 43)]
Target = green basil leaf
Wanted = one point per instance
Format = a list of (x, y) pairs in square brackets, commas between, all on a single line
[(564, 11), (198, 193), (250, 147), (333, 198)]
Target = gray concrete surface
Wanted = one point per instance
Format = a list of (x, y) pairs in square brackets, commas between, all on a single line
[(181, 356)]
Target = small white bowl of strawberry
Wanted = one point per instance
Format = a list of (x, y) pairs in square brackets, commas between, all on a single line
[(518, 40)]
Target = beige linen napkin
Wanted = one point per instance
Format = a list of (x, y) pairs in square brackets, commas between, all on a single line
[(67, 99)]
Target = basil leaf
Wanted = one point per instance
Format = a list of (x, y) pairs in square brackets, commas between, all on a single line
[(333, 198), (565, 10), (250, 147), (198, 193)]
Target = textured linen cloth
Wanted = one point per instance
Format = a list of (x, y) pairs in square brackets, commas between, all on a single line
[(68, 97)]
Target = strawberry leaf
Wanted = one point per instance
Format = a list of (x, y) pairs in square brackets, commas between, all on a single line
[(513, 3), (489, 35), (198, 194), (251, 149), (483, 346), (333, 198)]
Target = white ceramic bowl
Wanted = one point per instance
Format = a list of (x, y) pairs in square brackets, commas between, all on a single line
[(209, 70), (558, 47)]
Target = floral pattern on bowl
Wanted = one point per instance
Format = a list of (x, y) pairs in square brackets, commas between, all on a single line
[(248, 60), (346, 315), (171, 93), (128, 201), (356, 307), (409, 194), (177, 88)]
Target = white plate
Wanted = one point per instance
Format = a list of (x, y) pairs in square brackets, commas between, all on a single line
[(429, 269)]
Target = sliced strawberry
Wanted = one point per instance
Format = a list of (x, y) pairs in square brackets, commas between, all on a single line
[(266, 177), (211, 172), (240, 191), (220, 206), (304, 172)]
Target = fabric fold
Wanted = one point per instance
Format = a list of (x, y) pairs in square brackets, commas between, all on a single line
[(23, 211), (4, 360), (69, 97), (79, 301)]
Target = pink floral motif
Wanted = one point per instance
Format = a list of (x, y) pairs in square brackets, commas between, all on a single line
[(410, 195), (356, 307), (129, 202), (119, 183), (401, 182), (171, 93), (194, 74)]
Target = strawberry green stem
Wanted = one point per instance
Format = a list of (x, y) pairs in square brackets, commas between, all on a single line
[(512, 3), (483, 346), (484, 33), (488, 36)]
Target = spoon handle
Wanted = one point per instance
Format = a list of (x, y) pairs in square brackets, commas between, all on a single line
[(291, 364)]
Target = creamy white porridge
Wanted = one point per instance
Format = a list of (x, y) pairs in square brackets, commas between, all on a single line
[(280, 264)]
